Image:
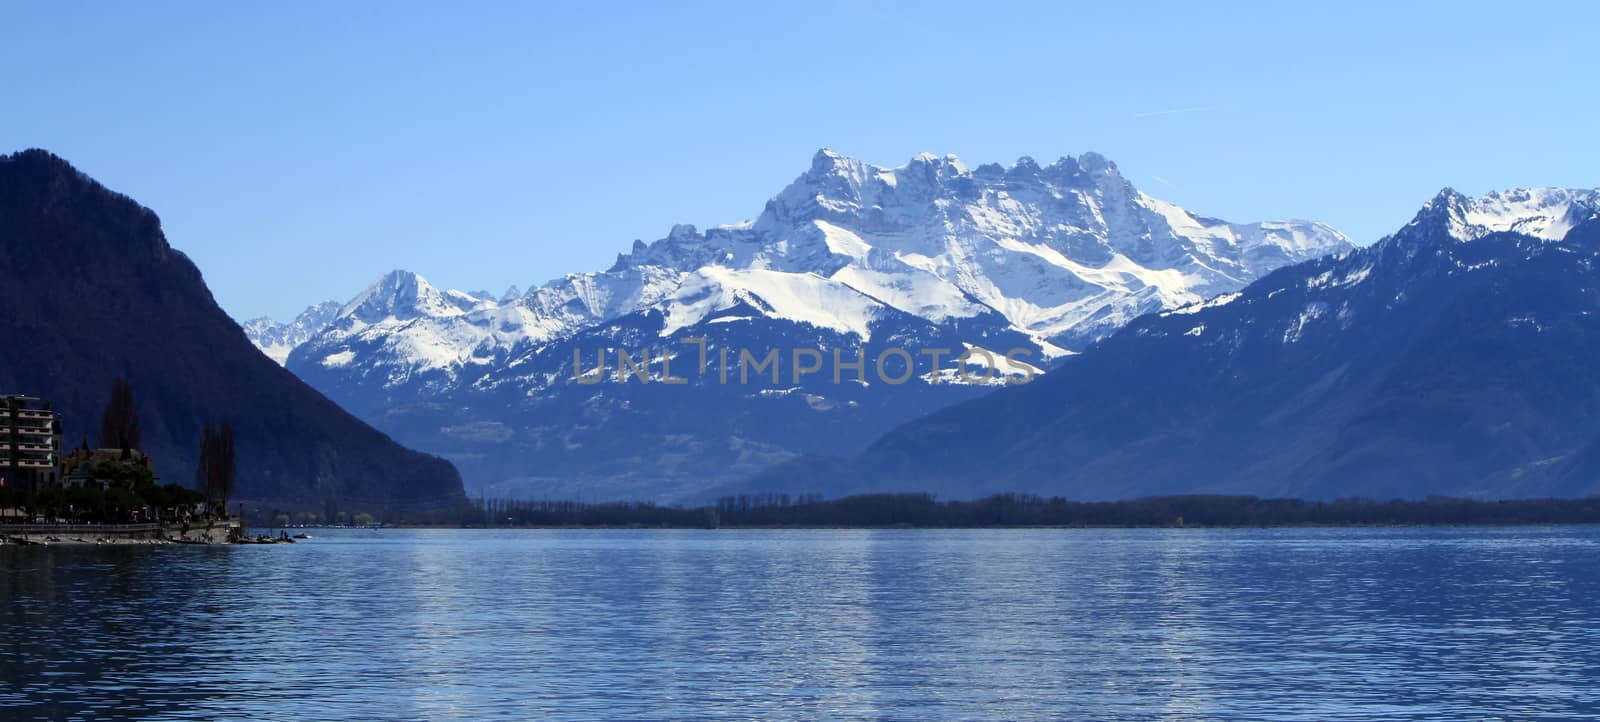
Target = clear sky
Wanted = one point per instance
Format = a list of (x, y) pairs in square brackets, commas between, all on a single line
[(297, 150)]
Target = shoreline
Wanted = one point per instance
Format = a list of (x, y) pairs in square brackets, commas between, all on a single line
[(148, 534), (49, 540), (914, 527)]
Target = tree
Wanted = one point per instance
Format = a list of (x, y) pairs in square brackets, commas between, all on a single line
[(119, 423), (215, 473), (202, 467), (228, 472)]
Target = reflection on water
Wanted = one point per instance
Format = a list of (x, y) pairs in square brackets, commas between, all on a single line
[(1005, 624)]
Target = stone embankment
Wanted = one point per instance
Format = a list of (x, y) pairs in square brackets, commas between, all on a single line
[(221, 532)]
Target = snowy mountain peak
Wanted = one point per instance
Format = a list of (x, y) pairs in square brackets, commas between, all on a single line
[(1059, 256), (1066, 253), (948, 162), (405, 295), (848, 258), (1094, 163), (1546, 213), (827, 161), (276, 339)]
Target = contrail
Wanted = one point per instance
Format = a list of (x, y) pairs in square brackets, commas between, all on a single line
[(1174, 111)]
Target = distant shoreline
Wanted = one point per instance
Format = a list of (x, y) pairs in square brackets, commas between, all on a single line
[(1037, 527), (916, 510)]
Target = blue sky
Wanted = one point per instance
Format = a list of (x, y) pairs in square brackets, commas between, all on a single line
[(298, 150)]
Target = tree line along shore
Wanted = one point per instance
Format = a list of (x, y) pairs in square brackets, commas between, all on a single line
[(110, 494), (920, 510)]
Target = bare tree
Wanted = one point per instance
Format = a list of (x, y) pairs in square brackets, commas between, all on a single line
[(228, 471), (119, 423), (202, 467), (215, 473)]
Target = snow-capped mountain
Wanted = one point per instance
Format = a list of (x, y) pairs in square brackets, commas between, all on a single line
[(1451, 358), (850, 256), (276, 339), (1547, 213), (1064, 253)]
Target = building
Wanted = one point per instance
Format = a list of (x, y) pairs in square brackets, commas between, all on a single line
[(30, 443), (79, 467)]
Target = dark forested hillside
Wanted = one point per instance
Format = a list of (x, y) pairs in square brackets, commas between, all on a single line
[(91, 291)]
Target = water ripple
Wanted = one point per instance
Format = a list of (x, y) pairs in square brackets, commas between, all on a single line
[(915, 625)]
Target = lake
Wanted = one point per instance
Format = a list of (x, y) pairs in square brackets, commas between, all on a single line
[(1182, 624)]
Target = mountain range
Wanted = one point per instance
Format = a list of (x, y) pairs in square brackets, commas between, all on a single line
[(1163, 352), (1454, 357), (851, 259), (92, 292), (276, 339)]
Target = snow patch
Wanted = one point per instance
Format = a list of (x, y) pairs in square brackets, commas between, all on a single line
[(338, 360), (1221, 300), (1312, 311), (1546, 213)]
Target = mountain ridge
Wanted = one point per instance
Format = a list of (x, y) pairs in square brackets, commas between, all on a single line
[(849, 255), (95, 292), (1444, 359)]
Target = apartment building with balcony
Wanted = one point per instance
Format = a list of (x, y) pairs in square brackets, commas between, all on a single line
[(30, 442)]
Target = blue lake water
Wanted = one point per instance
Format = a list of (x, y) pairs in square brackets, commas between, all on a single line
[(1314, 624)]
